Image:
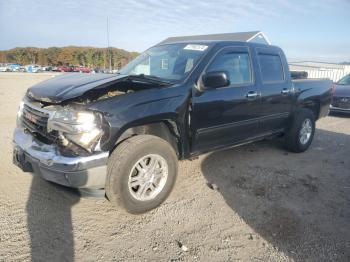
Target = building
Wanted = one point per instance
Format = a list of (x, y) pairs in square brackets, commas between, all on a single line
[(254, 36), (321, 70)]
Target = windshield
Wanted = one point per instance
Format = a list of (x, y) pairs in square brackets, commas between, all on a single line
[(344, 81), (171, 62)]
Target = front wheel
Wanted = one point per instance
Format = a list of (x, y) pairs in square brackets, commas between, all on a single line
[(300, 135), (141, 173)]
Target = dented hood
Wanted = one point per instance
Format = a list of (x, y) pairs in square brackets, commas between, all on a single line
[(68, 86)]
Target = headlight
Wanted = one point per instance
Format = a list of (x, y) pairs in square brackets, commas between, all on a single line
[(80, 127), (70, 121), (86, 140)]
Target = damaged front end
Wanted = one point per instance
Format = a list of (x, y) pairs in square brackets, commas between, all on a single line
[(74, 130), (60, 144), (61, 134), (57, 115), (61, 116)]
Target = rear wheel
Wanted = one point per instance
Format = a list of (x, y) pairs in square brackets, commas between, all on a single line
[(301, 132), (141, 173)]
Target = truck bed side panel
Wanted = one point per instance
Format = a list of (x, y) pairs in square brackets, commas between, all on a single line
[(314, 91)]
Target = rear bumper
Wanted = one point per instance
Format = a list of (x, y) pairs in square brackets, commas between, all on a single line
[(339, 109), (45, 160)]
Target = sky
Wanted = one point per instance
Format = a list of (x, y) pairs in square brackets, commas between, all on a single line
[(306, 29)]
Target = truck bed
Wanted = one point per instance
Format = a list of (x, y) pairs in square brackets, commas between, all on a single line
[(310, 90)]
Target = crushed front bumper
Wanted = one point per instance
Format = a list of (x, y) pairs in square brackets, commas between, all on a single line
[(45, 160)]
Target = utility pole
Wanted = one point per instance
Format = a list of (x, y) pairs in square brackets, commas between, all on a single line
[(108, 48)]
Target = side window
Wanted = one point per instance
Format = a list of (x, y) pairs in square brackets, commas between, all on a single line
[(236, 64), (271, 68)]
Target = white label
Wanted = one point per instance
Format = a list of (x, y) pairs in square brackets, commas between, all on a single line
[(196, 47)]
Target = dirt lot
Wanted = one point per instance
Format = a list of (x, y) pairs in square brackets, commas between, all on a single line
[(270, 205)]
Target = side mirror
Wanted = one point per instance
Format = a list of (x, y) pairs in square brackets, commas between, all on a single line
[(215, 79)]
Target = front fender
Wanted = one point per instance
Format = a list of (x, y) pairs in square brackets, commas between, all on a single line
[(124, 112)]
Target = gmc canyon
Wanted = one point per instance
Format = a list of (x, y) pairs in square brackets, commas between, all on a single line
[(125, 132)]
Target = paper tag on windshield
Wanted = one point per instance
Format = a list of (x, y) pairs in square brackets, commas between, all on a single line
[(196, 47)]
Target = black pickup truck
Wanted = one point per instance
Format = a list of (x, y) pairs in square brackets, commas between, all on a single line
[(125, 132)]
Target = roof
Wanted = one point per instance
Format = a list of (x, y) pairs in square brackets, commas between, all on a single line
[(253, 36)]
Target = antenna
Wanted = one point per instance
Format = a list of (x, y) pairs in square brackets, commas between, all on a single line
[(108, 48)]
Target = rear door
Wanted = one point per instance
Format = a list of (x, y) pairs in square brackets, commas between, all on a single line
[(226, 115), (276, 89)]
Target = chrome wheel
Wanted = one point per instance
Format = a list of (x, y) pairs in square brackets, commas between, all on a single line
[(148, 177), (305, 131)]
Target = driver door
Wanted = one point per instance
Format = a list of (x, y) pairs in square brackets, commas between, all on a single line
[(228, 115)]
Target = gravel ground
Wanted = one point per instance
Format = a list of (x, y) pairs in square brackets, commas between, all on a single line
[(267, 205)]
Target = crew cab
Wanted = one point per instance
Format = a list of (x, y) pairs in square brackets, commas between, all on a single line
[(125, 132)]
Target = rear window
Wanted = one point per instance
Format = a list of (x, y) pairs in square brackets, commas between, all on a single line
[(271, 68)]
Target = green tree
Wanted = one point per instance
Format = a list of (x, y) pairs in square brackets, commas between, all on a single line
[(69, 55)]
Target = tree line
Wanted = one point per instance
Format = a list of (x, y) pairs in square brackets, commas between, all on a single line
[(71, 55)]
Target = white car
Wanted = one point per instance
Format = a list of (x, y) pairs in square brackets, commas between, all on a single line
[(3, 68), (33, 68)]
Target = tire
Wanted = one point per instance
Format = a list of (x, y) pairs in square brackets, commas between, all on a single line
[(123, 168), (293, 140)]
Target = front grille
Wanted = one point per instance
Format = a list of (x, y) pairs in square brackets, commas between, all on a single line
[(35, 121), (341, 102)]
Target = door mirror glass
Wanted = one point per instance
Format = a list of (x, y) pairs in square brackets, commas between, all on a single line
[(215, 79)]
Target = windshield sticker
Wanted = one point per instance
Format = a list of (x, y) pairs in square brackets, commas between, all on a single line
[(196, 47)]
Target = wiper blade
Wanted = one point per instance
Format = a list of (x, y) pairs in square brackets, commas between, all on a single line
[(150, 78)]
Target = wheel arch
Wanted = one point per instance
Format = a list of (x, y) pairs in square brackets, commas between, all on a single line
[(164, 129), (313, 105)]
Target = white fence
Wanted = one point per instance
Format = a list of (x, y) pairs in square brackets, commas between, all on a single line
[(334, 74), (321, 70)]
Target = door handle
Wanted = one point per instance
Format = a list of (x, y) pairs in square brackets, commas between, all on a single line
[(285, 91), (252, 95)]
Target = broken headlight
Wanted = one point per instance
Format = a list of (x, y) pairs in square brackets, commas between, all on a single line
[(80, 127)]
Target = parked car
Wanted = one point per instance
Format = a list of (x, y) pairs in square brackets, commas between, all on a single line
[(33, 68), (65, 69), (4, 68), (341, 96), (82, 69), (9, 67), (126, 132), (22, 69), (46, 68), (13, 67)]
